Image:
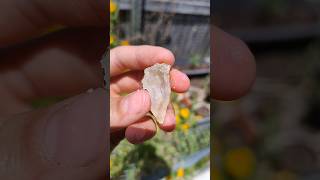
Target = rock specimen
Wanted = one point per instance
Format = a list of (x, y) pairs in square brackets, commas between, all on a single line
[(156, 81)]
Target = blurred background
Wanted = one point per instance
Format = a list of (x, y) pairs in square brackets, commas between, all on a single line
[(183, 27), (274, 131)]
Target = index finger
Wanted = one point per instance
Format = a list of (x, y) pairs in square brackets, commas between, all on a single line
[(137, 58)]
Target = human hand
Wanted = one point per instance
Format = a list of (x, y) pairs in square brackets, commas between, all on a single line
[(66, 140), (233, 69), (128, 113)]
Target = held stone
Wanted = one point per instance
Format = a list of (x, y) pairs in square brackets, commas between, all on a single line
[(156, 81)]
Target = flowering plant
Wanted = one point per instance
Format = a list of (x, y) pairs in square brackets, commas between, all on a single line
[(114, 35), (114, 13), (186, 116), (165, 149)]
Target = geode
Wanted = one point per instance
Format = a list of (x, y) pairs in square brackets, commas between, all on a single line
[(156, 81)]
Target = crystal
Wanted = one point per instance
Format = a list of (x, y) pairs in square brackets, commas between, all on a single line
[(156, 81)]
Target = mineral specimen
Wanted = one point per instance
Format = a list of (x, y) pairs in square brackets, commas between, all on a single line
[(156, 81)]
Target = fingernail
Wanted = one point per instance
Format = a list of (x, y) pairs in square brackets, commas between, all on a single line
[(136, 102)]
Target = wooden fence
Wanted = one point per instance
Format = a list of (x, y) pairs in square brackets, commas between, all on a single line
[(179, 25)]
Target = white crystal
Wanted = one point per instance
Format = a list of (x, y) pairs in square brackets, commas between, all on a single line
[(156, 81)]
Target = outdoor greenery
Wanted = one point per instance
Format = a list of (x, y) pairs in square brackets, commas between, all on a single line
[(158, 155), (114, 34), (195, 60), (164, 150)]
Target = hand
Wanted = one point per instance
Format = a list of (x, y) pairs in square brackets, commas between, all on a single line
[(66, 140), (233, 67), (128, 113)]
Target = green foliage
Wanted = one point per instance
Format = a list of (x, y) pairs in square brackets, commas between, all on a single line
[(195, 60)]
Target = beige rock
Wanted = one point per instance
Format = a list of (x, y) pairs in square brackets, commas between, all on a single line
[(156, 81)]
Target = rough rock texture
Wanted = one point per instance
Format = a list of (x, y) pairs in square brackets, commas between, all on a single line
[(156, 81)]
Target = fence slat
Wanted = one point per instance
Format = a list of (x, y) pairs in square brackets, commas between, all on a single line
[(194, 7), (136, 17)]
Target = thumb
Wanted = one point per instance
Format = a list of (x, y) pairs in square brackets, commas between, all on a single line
[(127, 110), (64, 141)]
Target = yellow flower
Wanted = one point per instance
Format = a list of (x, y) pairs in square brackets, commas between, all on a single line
[(180, 172), (112, 39), (125, 43), (113, 7), (178, 119), (240, 162), (185, 113), (185, 127)]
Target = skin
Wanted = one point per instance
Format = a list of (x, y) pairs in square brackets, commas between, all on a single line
[(67, 140), (233, 66), (127, 114)]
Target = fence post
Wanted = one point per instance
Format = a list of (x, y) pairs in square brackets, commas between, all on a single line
[(136, 17)]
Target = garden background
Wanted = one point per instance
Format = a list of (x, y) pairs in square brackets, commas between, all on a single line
[(182, 27), (274, 131)]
